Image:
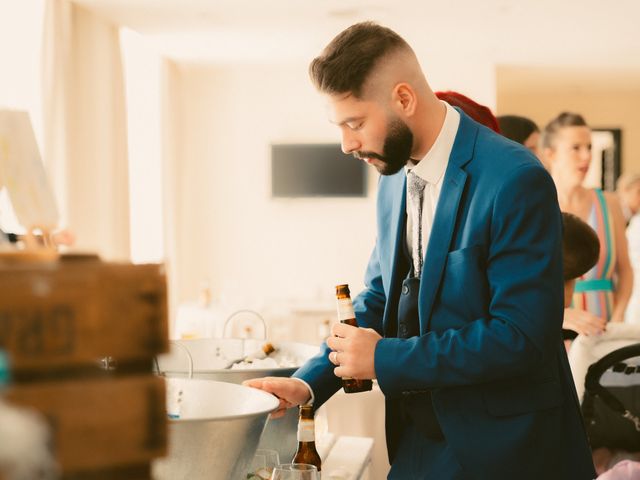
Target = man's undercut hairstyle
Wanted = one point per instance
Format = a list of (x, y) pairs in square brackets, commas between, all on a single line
[(346, 63), (580, 247), (565, 119)]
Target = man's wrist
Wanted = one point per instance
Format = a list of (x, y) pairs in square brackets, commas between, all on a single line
[(311, 398)]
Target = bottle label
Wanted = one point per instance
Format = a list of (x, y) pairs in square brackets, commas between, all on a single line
[(345, 309), (306, 431)]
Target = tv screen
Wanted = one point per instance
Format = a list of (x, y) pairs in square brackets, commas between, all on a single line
[(316, 170)]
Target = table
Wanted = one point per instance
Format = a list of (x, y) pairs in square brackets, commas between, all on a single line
[(348, 458)]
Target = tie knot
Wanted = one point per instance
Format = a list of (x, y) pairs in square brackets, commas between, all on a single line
[(416, 184)]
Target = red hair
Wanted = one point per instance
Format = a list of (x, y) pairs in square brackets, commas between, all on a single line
[(479, 113)]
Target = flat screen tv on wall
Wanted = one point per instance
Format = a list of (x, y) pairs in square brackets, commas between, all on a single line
[(316, 170)]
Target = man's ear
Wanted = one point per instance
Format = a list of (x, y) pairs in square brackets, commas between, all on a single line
[(404, 99)]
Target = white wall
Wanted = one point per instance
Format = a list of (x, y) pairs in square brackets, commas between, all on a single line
[(253, 248), (20, 47), (143, 73)]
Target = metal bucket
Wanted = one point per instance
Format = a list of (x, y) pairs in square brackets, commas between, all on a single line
[(217, 432), (206, 357)]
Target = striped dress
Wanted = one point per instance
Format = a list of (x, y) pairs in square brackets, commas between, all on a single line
[(594, 290)]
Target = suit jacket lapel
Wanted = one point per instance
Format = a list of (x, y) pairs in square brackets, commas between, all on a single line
[(445, 218), (397, 227)]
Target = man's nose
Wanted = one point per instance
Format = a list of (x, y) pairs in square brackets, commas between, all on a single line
[(350, 143)]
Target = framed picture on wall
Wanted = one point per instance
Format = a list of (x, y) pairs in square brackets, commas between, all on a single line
[(606, 153)]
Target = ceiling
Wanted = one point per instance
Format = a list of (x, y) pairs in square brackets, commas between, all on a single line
[(585, 33)]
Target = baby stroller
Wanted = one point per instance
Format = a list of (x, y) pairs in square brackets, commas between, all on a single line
[(606, 371)]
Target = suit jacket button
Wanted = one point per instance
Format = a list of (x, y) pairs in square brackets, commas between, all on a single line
[(405, 290)]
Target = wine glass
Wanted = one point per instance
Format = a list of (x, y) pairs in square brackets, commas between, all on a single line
[(264, 461), (295, 471)]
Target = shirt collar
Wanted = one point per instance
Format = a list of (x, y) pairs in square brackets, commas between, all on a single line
[(432, 167)]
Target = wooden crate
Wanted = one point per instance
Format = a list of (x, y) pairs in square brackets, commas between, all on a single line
[(133, 472), (68, 314), (100, 423)]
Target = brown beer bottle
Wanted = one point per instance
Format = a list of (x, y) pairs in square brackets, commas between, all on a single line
[(307, 452), (347, 315)]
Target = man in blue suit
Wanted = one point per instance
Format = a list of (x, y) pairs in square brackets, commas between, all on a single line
[(463, 336)]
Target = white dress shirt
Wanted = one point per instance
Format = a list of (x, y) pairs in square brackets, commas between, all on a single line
[(431, 169)]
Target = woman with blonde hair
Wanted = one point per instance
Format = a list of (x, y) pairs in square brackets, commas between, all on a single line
[(601, 294)]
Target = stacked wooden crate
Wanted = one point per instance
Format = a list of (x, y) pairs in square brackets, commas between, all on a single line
[(59, 321)]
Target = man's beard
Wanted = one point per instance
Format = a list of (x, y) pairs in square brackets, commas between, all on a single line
[(396, 150)]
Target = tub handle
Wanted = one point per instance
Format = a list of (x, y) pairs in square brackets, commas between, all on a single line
[(244, 310), (186, 350)]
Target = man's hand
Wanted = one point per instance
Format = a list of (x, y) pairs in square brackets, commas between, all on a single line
[(289, 391), (353, 351), (583, 322)]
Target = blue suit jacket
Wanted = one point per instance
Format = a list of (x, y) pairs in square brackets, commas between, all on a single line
[(490, 314)]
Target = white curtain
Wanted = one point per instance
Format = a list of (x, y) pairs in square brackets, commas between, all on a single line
[(85, 131)]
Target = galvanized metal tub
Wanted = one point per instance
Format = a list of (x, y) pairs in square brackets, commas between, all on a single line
[(217, 432), (207, 357)]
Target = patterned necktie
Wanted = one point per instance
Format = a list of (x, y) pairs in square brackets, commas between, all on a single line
[(415, 188)]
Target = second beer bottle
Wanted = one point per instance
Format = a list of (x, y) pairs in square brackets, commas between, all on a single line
[(348, 316), (307, 452)]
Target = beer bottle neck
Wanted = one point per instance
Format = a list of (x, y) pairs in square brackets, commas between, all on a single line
[(345, 309), (306, 431)]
